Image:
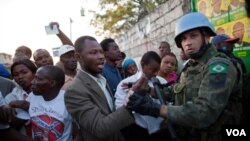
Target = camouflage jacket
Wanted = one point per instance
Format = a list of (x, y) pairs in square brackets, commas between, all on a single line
[(203, 92)]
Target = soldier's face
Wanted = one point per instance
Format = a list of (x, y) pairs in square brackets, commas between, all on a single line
[(191, 42)]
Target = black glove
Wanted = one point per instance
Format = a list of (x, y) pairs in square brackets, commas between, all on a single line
[(143, 105)]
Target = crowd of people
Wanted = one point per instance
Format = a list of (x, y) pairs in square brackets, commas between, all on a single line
[(95, 93)]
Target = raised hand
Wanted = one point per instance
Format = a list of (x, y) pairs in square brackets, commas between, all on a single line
[(51, 24), (141, 86)]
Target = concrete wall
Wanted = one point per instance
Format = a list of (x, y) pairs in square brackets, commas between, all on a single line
[(159, 26)]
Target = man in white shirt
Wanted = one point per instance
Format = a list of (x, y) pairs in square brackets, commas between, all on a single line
[(50, 119), (150, 64)]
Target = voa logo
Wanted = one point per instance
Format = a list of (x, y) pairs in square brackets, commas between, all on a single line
[(236, 132)]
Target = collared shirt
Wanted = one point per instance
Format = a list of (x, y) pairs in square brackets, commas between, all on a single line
[(101, 81), (17, 94), (112, 76)]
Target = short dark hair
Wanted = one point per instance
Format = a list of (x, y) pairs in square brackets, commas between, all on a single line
[(26, 49), (56, 73), (35, 52), (123, 55), (165, 42), (105, 43), (79, 43), (170, 54), (150, 55), (26, 62)]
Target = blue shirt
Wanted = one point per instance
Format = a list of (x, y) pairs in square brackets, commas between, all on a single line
[(112, 76), (4, 72)]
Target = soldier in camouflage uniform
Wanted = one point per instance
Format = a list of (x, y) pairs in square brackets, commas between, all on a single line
[(204, 97)]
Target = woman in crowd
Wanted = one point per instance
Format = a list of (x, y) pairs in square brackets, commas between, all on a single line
[(129, 67), (168, 67), (23, 72)]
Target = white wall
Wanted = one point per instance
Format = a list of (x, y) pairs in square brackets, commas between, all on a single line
[(159, 26)]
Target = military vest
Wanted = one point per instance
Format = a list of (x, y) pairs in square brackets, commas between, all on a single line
[(188, 88)]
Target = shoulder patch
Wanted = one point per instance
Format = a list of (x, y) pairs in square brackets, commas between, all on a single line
[(218, 68), (215, 60)]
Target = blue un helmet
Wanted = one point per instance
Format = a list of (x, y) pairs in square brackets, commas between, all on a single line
[(192, 21)]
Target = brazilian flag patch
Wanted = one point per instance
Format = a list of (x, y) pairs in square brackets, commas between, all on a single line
[(218, 68)]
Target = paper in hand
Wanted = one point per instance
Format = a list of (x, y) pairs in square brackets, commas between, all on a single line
[(22, 114), (53, 30)]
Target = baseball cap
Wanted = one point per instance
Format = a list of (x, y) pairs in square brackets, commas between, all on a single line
[(65, 49), (223, 38)]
